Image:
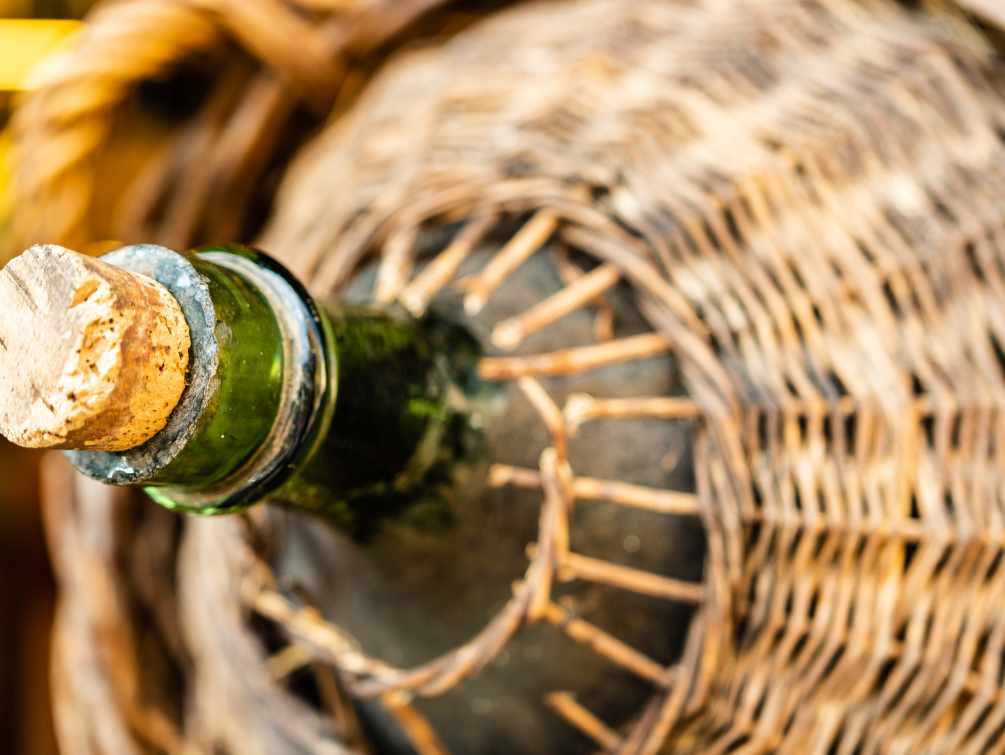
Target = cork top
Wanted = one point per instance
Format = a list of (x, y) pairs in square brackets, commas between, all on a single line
[(91, 356)]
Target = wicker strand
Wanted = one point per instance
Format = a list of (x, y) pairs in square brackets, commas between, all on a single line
[(804, 198), (565, 705)]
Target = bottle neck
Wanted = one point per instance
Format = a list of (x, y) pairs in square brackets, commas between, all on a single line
[(350, 413)]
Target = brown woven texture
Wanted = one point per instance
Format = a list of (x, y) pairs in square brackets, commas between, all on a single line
[(805, 197), (170, 119)]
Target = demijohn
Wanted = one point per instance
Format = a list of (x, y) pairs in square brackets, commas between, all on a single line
[(215, 382)]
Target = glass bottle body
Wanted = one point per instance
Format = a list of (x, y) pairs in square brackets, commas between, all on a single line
[(424, 552), (405, 417), (388, 407)]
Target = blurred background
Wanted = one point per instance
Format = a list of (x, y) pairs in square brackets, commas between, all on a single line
[(26, 584), (26, 602)]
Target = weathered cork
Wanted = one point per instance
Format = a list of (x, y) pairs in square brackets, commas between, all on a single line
[(91, 356)]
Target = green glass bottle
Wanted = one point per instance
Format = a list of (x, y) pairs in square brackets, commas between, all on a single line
[(379, 424), (352, 414)]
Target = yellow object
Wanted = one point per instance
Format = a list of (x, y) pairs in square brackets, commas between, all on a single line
[(24, 43), (4, 178)]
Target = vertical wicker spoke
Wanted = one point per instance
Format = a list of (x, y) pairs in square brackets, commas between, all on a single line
[(614, 491), (335, 701), (606, 645), (636, 496), (420, 734), (509, 333), (289, 659), (603, 324), (553, 530), (576, 566), (565, 705), (501, 475), (311, 629), (550, 414), (581, 408), (579, 359), (438, 273), (396, 265), (524, 243)]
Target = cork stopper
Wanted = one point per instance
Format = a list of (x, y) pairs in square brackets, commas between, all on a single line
[(91, 356)]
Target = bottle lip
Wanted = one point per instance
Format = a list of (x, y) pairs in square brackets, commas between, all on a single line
[(305, 386), (183, 282), (307, 361)]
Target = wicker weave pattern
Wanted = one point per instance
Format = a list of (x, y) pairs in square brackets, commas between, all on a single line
[(804, 195), (276, 68)]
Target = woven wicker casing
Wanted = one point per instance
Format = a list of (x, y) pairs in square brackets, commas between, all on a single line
[(805, 197)]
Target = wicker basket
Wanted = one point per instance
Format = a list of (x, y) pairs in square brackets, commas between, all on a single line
[(804, 199)]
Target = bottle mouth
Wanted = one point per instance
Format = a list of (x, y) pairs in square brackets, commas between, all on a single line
[(307, 361), (183, 282)]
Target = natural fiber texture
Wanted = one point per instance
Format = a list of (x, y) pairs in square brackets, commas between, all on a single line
[(231, 88), (805, 197), (93, 356)]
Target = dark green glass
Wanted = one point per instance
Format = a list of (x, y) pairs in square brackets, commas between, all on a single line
[(388, 405), (404, 414), (249, 377), (377, 422)]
